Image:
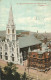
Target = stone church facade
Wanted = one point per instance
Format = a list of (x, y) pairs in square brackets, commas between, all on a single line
[(9, 49)]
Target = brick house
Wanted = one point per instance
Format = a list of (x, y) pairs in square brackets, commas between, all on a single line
[(40, 59)]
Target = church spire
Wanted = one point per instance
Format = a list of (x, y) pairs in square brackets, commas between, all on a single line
[(11, 21), (10, 30)]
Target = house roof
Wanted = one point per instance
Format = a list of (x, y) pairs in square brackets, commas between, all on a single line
[(28, 41)]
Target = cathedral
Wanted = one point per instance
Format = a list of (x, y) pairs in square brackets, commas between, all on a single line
[(9, 49)]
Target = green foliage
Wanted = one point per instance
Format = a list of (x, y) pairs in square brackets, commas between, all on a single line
[(10, 72), (24, 76), (10, 68)]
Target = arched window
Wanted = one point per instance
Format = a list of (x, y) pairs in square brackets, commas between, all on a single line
[(0, 48), (0, 55), (21, 60), (6, 56), (6, 46), (12, 49), (17, 51), (8, 31), (13, 31), (12, 57)]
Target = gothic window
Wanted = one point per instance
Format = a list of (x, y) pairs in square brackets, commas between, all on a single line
[(6, 56), (12, 49), (0, 55), (21, 60), (13, 31), (6, 47), (12, 57), (13, 37), (0, 48), (10, 44), (8, 31), (17, 51), (7, 40), (24, 54)]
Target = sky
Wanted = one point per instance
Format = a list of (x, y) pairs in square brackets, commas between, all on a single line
[(30, 15)]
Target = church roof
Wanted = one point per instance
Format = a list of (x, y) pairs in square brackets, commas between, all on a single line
[(28, 41)]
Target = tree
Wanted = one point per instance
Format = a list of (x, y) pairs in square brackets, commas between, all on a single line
[(10, 68), (24, 76), (10, 72), (1, 74)]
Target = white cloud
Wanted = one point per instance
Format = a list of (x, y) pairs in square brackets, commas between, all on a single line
[(47, 19), (28, 20)]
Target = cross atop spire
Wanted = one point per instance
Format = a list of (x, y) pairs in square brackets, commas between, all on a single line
[(11, 21)]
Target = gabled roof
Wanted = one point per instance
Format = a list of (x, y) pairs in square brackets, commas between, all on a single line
[(28, 41)]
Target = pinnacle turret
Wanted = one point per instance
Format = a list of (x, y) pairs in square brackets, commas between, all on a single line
[(29, 50)]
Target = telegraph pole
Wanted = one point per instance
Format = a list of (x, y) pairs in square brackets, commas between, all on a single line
[(0, 72), (28, 63)]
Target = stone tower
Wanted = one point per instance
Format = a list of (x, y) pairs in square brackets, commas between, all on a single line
[(10, 30)]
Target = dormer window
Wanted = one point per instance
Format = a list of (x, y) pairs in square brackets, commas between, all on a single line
[(12, 49)]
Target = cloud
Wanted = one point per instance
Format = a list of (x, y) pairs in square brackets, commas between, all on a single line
[(47, 19), (28, 20)]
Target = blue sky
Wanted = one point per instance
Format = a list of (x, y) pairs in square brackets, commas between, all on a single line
[(30, 15)]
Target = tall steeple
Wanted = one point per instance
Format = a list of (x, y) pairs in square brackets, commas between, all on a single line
[(11, 21), (10, 30)]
